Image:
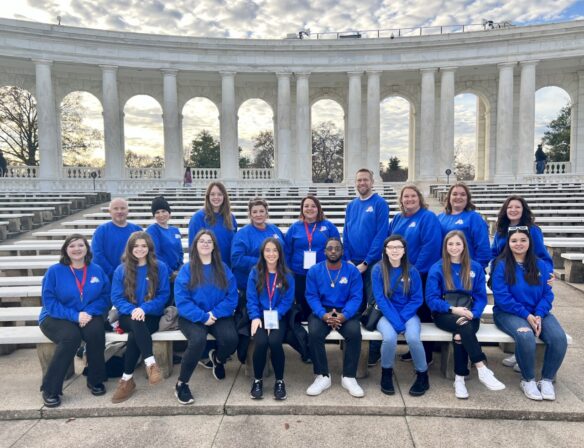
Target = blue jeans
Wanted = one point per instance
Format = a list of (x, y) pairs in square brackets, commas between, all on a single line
[(552, 334), (389, 344)]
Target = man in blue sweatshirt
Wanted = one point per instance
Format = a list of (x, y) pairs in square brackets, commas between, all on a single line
[(109, 239), (334, 290)]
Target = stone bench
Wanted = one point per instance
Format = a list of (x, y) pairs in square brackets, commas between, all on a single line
[(4, 230), (558, 246), (18, 222), (574, 267), (41, 215)]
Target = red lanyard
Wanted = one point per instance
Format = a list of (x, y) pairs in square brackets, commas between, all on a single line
[(271, 291), (309, 235), (81, 285)]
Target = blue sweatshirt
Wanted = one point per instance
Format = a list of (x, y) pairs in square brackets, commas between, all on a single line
[(366, 224), (399, 308), (422, 234), (522, 299), (154, 306), (436, 287), (61, 298), (245, 251), (168, 245), (297, 242), (108, 244), (541, 252), (475, 230), (346, 296), (280, 302), (224, 236), (196, 304)]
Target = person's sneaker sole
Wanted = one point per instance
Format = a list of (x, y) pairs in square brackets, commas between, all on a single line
[(388, 391), (207, 364), (191, 401)]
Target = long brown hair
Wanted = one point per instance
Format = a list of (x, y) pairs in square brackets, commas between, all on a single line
[(527, 217), (64, 259), (386, 266), (469, 203), (281, 268), (196, 265), (131, 265), (224, 210), (319, 214), (464, 262), (531, 271)]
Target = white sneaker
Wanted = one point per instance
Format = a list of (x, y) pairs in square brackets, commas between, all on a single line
[(460, 390), (487, 377), (510, 361), (320, 384), (547, 390), (530, 390), (352, 386), (516, 368)]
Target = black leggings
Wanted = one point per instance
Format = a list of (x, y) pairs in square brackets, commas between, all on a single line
[(196, 334), (139, 339), (273, 341), (68, 335)]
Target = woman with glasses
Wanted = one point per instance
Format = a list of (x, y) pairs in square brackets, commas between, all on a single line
[(397, 289), (523, 304), (458, 278), (206, 297)]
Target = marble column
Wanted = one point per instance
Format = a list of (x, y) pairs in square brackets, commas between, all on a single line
[(303, 135), (50, 162), (229, 150), (413, 162), (354, 153), (173, 162), (526, 119), (481, 140), (112, 124), (577, 129), (446, 120), (373, 124), (504, 150), (427, 115), (283, 135)]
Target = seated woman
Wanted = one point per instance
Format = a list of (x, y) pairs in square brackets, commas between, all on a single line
[(397, 289), (270, 294), (140, 289), (75, 296), (523, 303), (457, 274), (205, 293)]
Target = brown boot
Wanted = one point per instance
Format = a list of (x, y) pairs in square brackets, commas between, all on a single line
[(124, 390), (154, 374)]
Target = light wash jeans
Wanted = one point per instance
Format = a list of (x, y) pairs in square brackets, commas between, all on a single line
[(389, 344), (552, 334)]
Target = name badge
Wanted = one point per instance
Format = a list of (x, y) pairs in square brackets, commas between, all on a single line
[(271, 320), (309, 259)]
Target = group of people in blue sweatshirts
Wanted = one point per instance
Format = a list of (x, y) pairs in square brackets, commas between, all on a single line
[(257, 282)]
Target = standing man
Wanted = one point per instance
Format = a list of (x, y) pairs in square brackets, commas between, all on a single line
[(334, 291), (366, 226), (109, 239)]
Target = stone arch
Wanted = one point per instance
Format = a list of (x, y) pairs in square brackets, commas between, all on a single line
[(255, 117), (549, 101), (199, 114), (143, 132), (17, 100), (394, 140), (328, 156)]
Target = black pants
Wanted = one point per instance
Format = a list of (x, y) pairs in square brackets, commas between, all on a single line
[(68, 335), (300, 296), (196, 333), (318, 331), (139, 339), (468, 347), (273, 341)]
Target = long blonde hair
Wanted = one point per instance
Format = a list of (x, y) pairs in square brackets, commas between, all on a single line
[(464, 262)]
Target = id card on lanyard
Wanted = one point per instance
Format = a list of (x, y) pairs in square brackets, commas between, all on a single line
[(271, 321), (80, 285), (309, 255)]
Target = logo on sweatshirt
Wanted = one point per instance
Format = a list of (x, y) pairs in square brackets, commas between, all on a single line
[(459, 222), (369, 209), (177, 236), (343, 281), (413, 224), (94, 280), (276, 236), (323, 228), (472, 274)]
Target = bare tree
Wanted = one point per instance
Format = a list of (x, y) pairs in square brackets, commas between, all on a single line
[(327, 153), (19, 125)]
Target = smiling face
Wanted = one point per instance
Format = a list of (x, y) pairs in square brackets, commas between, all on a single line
[(514, 212), (454, 248), (309, 210), (458, 199), (410, 201), (162, 216), (271, 254), (364, 183), (395, 251), (76, 251), (258, 215), (118, 210), (333, 251), (205, 245), (519, 244), (140, 250), (216, 198)]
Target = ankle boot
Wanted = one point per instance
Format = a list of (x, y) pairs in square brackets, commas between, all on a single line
[(421, 385), (387, 381)]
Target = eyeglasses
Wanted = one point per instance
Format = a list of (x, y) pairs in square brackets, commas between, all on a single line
[(394, 248), (205, 242), (333, 248), (516, 228)]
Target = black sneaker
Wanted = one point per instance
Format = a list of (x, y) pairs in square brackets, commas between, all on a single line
[(218, 367), (280, 390), (183, 393), (257, 390), (96, 389), (206, 363), (406, 357), (51, 401)]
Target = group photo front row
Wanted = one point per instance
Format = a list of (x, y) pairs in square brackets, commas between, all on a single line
[(254, 289)]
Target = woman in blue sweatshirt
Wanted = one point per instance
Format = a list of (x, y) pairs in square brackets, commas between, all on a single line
[(523, 303), (75, 296), (216, 216), (166, 238), (270, 294), (397, 289), (205, 293), (140, 290), (457, 273), (459, 214), (305, 240)]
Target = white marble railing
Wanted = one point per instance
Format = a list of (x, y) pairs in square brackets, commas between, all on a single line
[(82, 172), (206, 173), (557, 168), (22, 171), (144, 173), (257, 173)]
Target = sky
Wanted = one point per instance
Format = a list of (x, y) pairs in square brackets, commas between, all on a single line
[(273, 19)]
